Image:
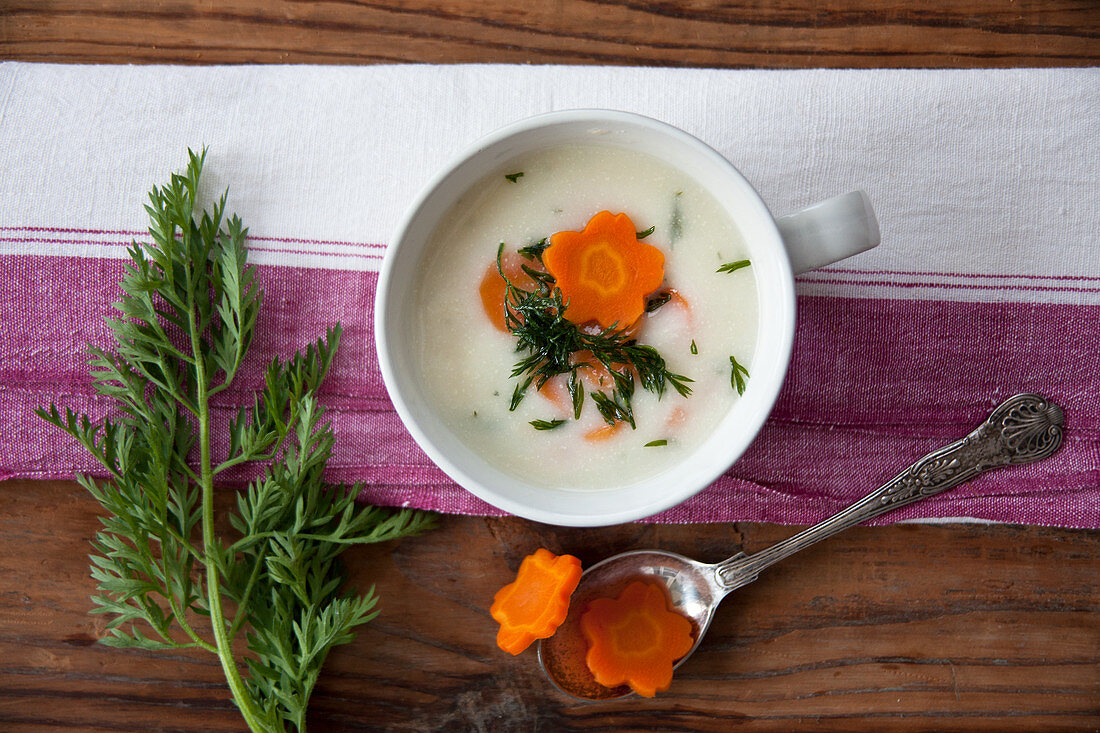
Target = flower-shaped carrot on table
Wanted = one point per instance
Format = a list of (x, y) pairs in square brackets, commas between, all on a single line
[(604, 271), (535, 605), (635, 639)]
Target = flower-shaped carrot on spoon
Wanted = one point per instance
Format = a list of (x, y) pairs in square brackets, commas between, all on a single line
[(635, 639)]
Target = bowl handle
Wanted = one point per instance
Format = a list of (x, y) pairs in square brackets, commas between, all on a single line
[(829, 231)]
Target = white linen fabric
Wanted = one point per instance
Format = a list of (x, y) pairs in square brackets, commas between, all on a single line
[(990, 178)]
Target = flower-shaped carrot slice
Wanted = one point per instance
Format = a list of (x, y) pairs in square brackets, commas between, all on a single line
[(635, 639), (535, 605), (604, 272)]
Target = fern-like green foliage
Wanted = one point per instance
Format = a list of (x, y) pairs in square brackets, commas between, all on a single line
[(165, 578)]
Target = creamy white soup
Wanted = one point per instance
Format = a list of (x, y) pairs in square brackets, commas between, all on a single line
[(465, 360)]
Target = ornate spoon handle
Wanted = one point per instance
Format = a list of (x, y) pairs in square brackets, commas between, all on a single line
[(1022, 429)]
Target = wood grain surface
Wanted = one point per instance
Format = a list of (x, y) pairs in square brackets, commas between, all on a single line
[(757, 33), (908, 628)]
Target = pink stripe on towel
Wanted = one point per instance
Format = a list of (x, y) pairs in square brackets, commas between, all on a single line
[(873, 385)]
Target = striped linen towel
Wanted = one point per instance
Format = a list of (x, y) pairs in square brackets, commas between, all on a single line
[(987, 282)]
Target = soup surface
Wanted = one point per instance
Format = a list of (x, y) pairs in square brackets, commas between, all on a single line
[(465, 360)]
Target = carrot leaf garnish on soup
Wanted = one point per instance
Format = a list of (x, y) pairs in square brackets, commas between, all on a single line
[(579, 316), (737, 375), (534, 251), (733, 266), (547, 424)]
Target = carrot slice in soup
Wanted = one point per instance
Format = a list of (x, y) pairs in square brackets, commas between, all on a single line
[(603, 432), (535, 605), (603, 271), (593, 375), (557, 391), (493, 289)]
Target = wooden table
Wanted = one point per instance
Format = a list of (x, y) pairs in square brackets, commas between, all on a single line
[(912, 627)]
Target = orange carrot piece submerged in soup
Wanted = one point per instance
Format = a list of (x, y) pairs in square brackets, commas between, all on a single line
[(493, 289)]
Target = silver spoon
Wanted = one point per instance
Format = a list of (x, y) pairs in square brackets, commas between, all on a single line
[(1022, 429)]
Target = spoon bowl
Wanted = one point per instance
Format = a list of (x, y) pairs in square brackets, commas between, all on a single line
[(1022, 429), (692, 588)]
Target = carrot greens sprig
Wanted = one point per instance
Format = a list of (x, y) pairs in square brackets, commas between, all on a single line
[(166, 579)]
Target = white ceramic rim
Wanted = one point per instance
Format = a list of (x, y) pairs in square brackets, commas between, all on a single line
[(733, 435)]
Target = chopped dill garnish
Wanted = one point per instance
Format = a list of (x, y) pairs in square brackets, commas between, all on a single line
[(534, 251), (576, 394), (737, 376), (613, 409), (549, 342), (655, 443), (694, 348), (657, 301), (547, 424), (646, 233), (733, 266), (519, 392), (513, 177)]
